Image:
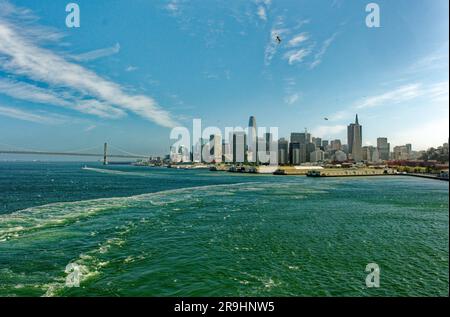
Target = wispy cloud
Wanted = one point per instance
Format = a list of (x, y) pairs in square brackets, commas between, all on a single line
[(43, 118), (131, 68), (95, 54), (90, 128), (398, 95), (173, 7), (436, 94), (291, 99), (261, 12), (23, 57), (262, 6), (320, 54), (298, 39), (439, 92), (296, 56), (272, 46), (294, 45), (437, 60), (292, 95), (32, 93)]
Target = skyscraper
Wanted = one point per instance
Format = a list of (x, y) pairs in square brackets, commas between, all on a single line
[(354, 138), (317, 142), (336, 145), (283, 151), (383, 148), (252, 140), (215, 148), (301, 138), (294, 153), (309, 148), (239, 145)]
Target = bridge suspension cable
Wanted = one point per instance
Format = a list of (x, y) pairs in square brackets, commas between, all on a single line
[(126, 152), (83, 150)]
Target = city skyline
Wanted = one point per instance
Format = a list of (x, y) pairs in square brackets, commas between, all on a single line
[(114, 90), (255, 145)]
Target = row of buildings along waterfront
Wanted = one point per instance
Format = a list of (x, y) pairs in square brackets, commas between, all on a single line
[(300, 148)]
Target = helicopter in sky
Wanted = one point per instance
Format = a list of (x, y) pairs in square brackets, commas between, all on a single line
[(278, 39)]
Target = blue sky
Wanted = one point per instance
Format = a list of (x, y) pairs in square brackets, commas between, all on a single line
[(136, 68)]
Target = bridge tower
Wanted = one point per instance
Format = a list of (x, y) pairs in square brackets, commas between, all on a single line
[(105, 157)]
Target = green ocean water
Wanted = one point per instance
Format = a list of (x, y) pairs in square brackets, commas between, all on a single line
[(136, 231)]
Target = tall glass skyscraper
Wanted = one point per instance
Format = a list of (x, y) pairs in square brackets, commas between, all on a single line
[(252, 141)]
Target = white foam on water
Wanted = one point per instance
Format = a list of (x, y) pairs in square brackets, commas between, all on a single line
[(30, 219), (89, 263)]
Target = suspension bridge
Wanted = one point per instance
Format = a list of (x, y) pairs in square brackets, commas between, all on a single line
[(81, 153)]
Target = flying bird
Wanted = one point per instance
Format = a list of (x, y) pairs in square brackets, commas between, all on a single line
[(326, 119), (278, 39)]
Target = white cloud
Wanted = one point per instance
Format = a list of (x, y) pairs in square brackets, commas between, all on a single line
[(272, 46), (434, 61), (95, 54), (131, 68), (90, 128), (262, 6), (43, 118), (291, 99), (173, 7), (398, 95), (296, 56), (32, 93), (261, 12), (439, 92), (298, 39), (23, 57), (319, 55)]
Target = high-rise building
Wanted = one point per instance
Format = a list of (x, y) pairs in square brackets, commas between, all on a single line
[(317, 141), (283, 151), (336, 145), (268, 140), (403, 152), (239, 145), (370, 154), (383, 148), (215, 148), (301, 138), (294, 152), (197, 152), (325, 145), (354, 137), (300, 147), (344, 148), (409, 148), (227, 153), (309, 147), (317, 156), (252, 140)]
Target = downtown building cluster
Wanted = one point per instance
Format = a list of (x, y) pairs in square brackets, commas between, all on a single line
[(301, 148)]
